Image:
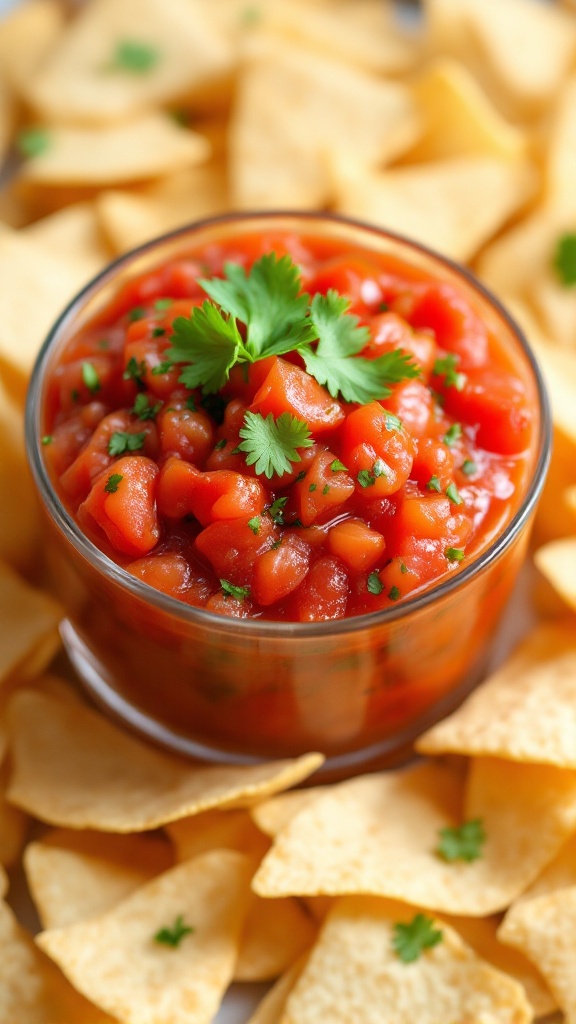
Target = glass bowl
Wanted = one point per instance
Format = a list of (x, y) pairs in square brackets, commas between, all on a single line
[(225, 690)]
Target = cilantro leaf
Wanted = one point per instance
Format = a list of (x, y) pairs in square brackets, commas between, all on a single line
[(111, 485), (464, 842), (337, 331), (90, 377), (272, 445), (564, 260), (121, 441), (446, 368), (240, 593), (276, 511), (173, 935), (208, 342), (134, 56), (359, 380), (144, 409), (33, 141), (374, 584), (410, 940), (267, 300)]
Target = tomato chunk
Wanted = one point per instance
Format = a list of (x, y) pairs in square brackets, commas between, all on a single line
[(123, 504), (287, 388)]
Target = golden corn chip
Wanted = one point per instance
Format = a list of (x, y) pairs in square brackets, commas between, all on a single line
[(13, 827), (25, 270), (146, 147), (544, 929), (118, 59), (271, 816), (32, 990), (270, 1009), (95, 776), (561, 153), (19, 517), (291, 113), (233, 830), (120, 962), (525, 711), (560, 873), (75, 231), (370, 984), (379, 835), (130, 218), (555, 303), (29, 621), (459, 118), (452, 205), (27, 34), (7, 118), (557, 563), (74, 876), (480, 933), (515, 260)]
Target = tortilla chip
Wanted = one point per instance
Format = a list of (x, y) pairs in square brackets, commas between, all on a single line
[(271, 1008), (19, 518), (27, 34), (85, 82), (480, 933), (79, 783), (544, 929), (145, 147), (28, 617), (233, 830), (27, 270), (130, 218), (460, 119), (271, 816), (13, 827), (561, 153), (560, 873), (7, 118), (32, 990), (452, 205), (557, 563), (379, 834), (115, 961), (525, 711), (292, 112), (369, 984), (75, 232), (514, 261), (74, 876)]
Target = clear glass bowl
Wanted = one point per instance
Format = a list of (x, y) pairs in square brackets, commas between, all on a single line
[(236, 691)]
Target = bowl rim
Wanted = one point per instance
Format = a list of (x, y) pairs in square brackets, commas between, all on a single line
[(257, 626)]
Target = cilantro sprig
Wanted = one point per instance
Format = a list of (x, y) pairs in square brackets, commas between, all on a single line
[(172, 935), (271, 445), (277, 318), (410, 940), (564, 259), (463, 842)]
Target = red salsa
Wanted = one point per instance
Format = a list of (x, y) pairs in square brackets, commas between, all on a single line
[(285, 428)]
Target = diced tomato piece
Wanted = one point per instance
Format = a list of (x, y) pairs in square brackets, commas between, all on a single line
[(287, 388), (390, 332), (321, 491), (434, 461), (232, 547), (224, 604), (70, 436), (187, 433), (125, 509), (148, 354), (432, 516), (169, 572), (247, 378), (376, 453), (278, 571), (77, 480), (457, 327), (356, 544), (324, 593), (497, 404), (69, 381), (412, 402), (221, 494), (356, 277)]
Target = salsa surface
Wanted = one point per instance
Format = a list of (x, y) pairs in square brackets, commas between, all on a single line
[(377, 501)]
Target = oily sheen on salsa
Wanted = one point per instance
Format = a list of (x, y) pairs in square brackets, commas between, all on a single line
[(286, 428)]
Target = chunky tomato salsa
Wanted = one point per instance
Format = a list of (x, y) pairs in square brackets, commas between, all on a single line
[(284, 428)]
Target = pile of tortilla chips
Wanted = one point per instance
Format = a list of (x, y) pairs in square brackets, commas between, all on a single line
[(442, 894)]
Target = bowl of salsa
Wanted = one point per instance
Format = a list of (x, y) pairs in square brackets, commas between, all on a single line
[(288, 465)]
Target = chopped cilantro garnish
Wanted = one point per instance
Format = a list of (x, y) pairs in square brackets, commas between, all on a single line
[(463, 842), (276, 544), (161, 368), (136, 313), (434, 484), (276, 510), (326, 489), (272, 445), (383, 307), (221, 443), (452, 434), (468, 467), (33, 141), (374, 584), (338, 467), (90, 378), (452, 494), (121, 442), (133, 56), (454, 554), (158, 332), (162, 304), (240, 593), (74, 394), (144, 409), (111, 485), (47, 439), (366, 478), (191, 404), (410, 940), (173, 935), (379, 468), (103, 344), (254, 525), (446, 368), (135, 371), (564, 260), (403, 568), (312, 487), (278, 319), (300, 477), (394, 593), (392, 422)]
